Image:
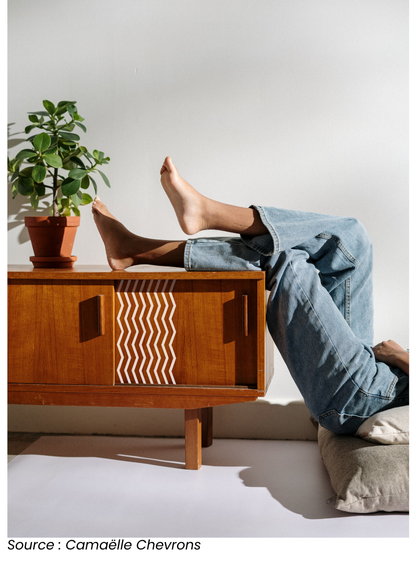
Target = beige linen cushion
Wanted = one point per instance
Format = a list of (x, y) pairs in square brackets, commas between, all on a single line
[(366, 477), (389, 427)]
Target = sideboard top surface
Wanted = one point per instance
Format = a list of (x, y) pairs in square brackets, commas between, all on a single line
[(135, 272)]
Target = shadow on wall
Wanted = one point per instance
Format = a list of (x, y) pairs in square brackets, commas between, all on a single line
[(254, 420), (20, 207), (264, 420)]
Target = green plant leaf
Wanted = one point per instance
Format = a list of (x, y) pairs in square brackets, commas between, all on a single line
[(48, 105), (53, 160), (25, 186), (85, 182), (15, 191), (76, 211), (94, 183), (49, 124), (42, 142), (15, 175), (77, 173), (69, 166), (34, 200), (26, 172), (76, 152), (66, 145), (67, 127), (61, 103), (44, 113), (40, 189), (105, 178), (65, 206), (77, 161), (69, 136), (78, 117), (11, 164), (25, 153), (39, 173), (61, 110), (87, 155), (51, 150), (81, 126), (70, 186), (76, 198), (29, 128), (98, 155), (86, 199), (33, 119)]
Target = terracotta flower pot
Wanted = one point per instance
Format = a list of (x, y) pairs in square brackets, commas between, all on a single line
[(52, 240)]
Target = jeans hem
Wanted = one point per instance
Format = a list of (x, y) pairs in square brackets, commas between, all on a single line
[(260, 248), (187, 255)]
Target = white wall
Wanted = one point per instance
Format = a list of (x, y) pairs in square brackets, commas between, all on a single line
[(293, 103)]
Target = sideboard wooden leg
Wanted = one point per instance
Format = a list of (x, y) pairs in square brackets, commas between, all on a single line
[(193, 439), (207, 427)]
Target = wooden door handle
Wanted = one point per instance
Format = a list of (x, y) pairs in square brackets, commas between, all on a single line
[(245, 315), (101, 315)]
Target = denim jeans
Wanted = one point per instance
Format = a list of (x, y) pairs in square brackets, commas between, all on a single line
[(320, 309)]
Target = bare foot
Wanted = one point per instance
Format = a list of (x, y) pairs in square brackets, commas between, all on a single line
[(189, 205), (124, 248), (195, 212), (116, 238)]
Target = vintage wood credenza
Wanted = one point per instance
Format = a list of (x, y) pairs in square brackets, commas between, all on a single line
[(144, 337)]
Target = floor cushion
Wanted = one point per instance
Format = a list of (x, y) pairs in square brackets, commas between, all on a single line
[(365, 476), (390, 427)]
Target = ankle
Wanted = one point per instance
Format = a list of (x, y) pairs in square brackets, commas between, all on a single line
[(229, 218)]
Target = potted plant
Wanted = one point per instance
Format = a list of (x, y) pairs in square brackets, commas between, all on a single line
[(55, 165)]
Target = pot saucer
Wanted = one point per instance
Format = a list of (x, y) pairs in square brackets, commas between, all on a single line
[(53, 263)]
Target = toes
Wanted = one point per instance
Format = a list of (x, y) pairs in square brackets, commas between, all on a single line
[(168, 164), (97, 206)]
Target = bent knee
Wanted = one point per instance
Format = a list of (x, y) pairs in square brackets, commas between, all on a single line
[(357, 229)]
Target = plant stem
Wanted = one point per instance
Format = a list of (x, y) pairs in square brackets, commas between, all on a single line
[(55, 193)]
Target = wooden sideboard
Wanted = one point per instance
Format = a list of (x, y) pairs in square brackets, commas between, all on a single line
[(144, 337)]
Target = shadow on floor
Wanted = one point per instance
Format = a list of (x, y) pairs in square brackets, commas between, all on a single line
[(291, 471)]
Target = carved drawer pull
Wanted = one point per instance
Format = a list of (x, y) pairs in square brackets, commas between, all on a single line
[(101, 315), (245, 315)]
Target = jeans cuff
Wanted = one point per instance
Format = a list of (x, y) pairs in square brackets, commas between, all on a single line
[(265, 244), (187, 255)]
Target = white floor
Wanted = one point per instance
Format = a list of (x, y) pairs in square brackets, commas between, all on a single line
[(94, 486)]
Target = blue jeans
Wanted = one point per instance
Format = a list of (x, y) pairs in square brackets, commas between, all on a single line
[(320, 309)]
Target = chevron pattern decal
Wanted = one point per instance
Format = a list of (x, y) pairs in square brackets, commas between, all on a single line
[(146, 332)]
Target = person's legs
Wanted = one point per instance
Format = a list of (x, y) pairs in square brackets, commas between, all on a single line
[(336, 371), (318, 271), (320, 311), (194, 212), (269, 231), (338, 247), (326, 345)]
